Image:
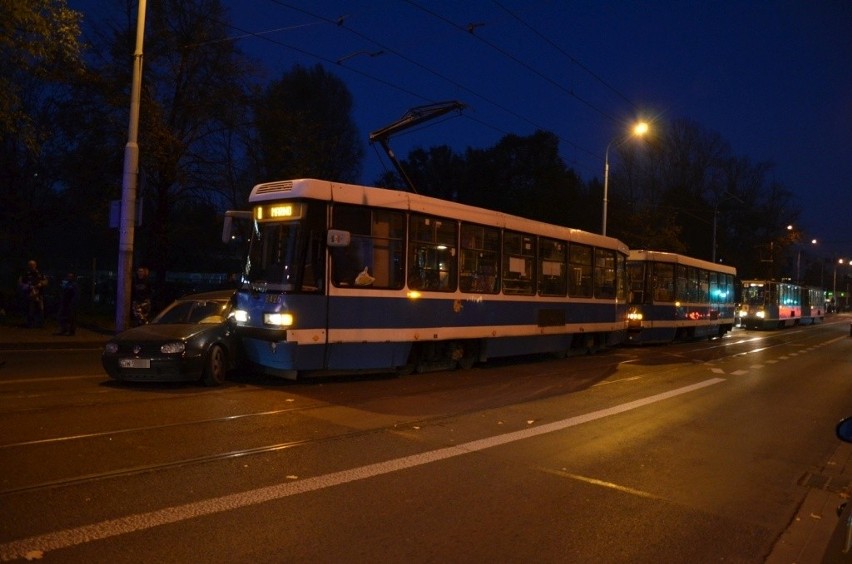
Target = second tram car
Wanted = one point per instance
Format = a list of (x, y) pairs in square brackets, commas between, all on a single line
[(813, 305), (768, 304), (342, 278), (675, 297)]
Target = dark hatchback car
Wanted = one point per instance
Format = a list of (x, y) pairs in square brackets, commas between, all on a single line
[(190, 340)]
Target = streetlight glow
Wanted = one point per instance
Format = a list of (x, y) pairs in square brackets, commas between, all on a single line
[(640, 129)]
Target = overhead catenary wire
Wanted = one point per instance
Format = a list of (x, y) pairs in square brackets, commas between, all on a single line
[(341, 22)]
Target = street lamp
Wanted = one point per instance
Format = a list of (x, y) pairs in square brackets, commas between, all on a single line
[(834, 291), (640, 129), (130, 178)]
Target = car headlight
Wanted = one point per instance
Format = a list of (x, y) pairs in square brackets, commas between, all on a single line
[(173, 348), (278, 319), (111, 348)]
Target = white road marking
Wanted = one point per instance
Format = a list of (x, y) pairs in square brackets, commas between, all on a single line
[(40, 544)]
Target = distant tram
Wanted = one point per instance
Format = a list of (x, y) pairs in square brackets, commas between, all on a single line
[(342, 278), (675, 297), (768, 304)]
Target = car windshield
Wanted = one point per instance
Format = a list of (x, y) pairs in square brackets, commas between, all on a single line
[(194, 311)]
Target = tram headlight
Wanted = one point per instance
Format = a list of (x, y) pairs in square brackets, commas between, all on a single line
[(634, 316), (278, 319), (761, 314), (240, 315)]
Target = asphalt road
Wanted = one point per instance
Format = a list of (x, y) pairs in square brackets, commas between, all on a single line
[(705, 451)]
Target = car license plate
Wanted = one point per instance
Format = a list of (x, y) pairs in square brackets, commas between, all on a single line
[(134, 363)]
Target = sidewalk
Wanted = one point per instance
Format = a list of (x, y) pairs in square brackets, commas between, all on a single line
[(17, 337), (817, 533)]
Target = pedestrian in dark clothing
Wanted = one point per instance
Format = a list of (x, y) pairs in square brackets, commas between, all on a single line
[(140, 297), (31, 285), (70, 295)]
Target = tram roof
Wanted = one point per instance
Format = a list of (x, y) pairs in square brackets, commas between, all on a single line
[(661, 256), (325, 190)]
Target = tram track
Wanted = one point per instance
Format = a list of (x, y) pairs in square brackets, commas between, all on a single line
[(503, 395), (215, 457), (196, 427)]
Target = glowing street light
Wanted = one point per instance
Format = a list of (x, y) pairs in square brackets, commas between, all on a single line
[(640, 129)]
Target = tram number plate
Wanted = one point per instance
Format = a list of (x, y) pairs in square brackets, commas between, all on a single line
[(134, 363)]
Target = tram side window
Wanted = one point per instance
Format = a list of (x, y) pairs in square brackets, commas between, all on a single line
[(432, 253), (729, 285), (552, 256), (480, 251), (790, 295), (681, 283), (663, 282), (604, 273), (703, 285), (716, 291), (579, 271), (621, 279), (374, 257), (692, 293), (518, 263)]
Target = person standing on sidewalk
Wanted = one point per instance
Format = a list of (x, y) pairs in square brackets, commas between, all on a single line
[(31, 284)]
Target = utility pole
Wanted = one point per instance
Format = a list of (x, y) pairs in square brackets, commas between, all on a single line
[(130, 178)]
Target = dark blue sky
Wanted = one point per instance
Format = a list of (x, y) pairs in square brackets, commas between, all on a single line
[(774, 79)]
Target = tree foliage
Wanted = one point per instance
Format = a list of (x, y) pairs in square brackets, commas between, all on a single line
[(39, 52), (670, 193), (305, 128)]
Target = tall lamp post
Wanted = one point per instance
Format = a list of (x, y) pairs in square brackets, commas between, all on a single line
[(834, 290), (640, 129), (129, 182)]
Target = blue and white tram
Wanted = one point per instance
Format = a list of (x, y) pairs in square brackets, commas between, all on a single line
[(343, 278), (675, 297), (767, 304)]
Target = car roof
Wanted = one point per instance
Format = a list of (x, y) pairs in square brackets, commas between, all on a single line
[(214, 295)]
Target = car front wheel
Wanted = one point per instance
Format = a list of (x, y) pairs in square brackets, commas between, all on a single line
[(215, 367)]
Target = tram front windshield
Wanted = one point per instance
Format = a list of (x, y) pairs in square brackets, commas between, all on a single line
[(285, 256), (755, 295)]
